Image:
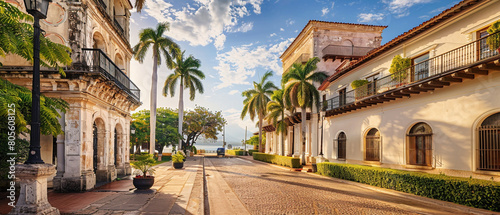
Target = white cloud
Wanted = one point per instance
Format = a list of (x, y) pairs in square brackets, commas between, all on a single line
[(324, 11), (400, 7), (370, 17), (290, 22), (219, 41), (206, 21), (273, 35), (243, 28), (240, 63), (232, 92), (281, 29)]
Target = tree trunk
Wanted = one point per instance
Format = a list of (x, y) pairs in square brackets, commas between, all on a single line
[(181, 110), (261, 149), (152, 116), (303, 133)]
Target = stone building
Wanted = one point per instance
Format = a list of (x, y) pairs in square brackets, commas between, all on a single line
[(439, 115), (95, 145), (336, 44)]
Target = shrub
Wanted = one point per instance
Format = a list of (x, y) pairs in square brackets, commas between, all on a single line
[(252, 151), (178, 158), (494, 40), (465, 191), (358, 83), (397, 65), (235, 152), (277, 159), (144, 165), (195, 151)]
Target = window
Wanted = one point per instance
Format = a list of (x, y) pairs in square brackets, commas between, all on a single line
[(372, 86), (372, 151), (420, 145), (489, 143), (420, 67), (341, 140), (342, 97), (483, 47)]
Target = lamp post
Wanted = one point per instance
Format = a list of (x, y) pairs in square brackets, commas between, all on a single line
[(38, 9), (322, 118)]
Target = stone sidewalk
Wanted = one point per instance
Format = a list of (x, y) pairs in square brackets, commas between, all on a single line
[(174, 192)]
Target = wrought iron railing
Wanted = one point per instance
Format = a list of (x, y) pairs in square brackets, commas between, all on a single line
[(97, 61), (461, 57), (337, 50), (117, 25)]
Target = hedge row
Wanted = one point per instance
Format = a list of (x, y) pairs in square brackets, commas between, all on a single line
[(470, 192), (252, 151), (277, 159), (235, 152)]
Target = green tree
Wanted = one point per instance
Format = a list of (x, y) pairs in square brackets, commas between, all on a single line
[(16, 37), (202, 122), (300, 91), (153, 39), (166, 130), (276, 115), (254, 140), (256, 99), (187, 73), (397, 65)]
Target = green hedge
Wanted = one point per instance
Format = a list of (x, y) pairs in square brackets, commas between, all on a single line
[(470, 192), (252, 151), (277, 159), (235, 152)]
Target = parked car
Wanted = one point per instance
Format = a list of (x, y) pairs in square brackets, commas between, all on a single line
[(221, 151)]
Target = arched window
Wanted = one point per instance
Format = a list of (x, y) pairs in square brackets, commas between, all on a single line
[(341, 140), (420, 145), (372, 147), (489, 143)]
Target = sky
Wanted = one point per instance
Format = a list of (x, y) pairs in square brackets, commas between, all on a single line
[(237, 41)]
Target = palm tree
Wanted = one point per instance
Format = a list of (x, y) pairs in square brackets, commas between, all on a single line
[(256, 100), (301, 92), (276, 115), (187, 73), (160, 44)]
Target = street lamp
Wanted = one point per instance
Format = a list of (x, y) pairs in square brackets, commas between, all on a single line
[(132, 130), (38, 9), (323, 112)]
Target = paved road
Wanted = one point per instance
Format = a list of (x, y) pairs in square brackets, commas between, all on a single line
[(265, 189)]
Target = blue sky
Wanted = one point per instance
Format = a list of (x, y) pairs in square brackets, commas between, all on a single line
[(237, 41)]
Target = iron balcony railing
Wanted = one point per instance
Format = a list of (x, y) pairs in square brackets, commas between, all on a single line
[(345, 51), (461, 57), (117, 25), (97, 61)]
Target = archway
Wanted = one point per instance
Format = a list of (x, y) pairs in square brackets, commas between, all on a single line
[(489, 144), (372, 145), (341, 141), (419, 148), (99, 42)]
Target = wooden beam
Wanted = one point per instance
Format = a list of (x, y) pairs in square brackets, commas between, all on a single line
[(497, 62), (423, 87), (392, 95), (489, 67), (409, 91), (429, 85), (462, 75), (438, 83), (476, 71), (450, 79)]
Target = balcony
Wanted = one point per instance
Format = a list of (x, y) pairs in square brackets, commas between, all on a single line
[(336, 51), (465, 62), (94, 60)]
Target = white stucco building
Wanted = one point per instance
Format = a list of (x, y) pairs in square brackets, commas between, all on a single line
[(440, 115)]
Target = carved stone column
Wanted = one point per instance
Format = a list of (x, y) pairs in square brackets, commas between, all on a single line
[(33, 195)]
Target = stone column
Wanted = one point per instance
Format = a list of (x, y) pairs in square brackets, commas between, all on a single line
[(297, 142), (33, 194), (314, 134), (266, 146)]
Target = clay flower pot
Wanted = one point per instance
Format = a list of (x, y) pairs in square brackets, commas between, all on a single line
[(143, 183)]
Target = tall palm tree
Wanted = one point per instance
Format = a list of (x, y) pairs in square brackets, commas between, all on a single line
[(256, 100), (301, 92), (187, 73), (276, 115), (154, 39)]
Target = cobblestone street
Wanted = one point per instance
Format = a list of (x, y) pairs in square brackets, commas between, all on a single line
[(268, 189)]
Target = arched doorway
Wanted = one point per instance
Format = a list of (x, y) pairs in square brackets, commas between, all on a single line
[(341, 140), (489, 143), (419, 148), (372, 145), (98, 137)]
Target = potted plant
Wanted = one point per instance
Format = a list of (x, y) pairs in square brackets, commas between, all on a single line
[(494, 39), (178, 160), (144, 179), (398, 64), (183, 154), (361, 91)]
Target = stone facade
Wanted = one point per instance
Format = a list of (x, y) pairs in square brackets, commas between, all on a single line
[(95, 145)]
